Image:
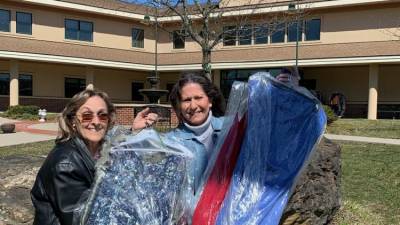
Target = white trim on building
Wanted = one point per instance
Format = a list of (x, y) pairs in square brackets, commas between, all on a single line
[(218, 66)]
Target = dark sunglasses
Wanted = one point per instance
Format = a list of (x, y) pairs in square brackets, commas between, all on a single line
[(89, 116)]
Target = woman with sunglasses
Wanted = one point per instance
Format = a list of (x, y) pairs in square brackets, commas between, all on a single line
[(68, 172)]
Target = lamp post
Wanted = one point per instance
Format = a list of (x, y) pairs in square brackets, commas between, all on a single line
[(155, 23), (293, 7), (154, 93)]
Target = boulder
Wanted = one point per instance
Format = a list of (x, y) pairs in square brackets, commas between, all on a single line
[(316, 197), (7, 127)]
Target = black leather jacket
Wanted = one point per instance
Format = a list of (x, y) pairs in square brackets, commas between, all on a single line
[(62, 183)]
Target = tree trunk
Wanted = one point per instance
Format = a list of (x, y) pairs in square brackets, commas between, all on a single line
[(206, 63)]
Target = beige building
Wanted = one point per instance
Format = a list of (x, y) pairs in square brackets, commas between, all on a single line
[(51, 49)]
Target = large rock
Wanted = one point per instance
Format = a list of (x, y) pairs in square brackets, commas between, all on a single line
[(316, 197), (17, 175)]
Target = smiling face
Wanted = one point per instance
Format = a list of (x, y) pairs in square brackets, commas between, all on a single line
[(194, 104), (93, 121)]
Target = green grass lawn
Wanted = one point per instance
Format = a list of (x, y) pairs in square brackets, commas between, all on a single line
[(35, 149), (370, 172), (370, 184), (368, 128)]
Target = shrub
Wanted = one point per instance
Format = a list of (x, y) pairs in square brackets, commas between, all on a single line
[(331, 116), (27, 112), (21, 109)]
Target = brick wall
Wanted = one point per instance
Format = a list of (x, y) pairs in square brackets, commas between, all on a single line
[(125, 115), (127, 112)]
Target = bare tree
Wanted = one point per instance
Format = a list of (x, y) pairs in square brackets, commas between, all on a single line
[(210, 22)]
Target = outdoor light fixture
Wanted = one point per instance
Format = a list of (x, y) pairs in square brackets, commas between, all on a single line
[(153, 94), (146, 18), (293, 8)]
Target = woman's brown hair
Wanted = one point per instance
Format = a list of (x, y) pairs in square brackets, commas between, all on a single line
[(212, 92), (67, 118)]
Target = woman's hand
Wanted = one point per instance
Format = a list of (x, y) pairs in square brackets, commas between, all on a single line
[(143, 119)]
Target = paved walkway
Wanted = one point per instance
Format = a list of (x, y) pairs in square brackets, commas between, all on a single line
[(28, 132), (363, 139)]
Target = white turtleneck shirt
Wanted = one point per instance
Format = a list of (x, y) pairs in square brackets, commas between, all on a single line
[(203, 133)]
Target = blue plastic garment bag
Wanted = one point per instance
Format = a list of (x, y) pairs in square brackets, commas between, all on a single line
[(284, 125)]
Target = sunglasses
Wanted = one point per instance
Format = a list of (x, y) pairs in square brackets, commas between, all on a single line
[(89, 116)]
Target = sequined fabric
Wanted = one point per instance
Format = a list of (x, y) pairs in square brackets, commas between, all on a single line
[(144, 182)]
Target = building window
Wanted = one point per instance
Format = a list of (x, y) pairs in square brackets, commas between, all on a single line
[(78, 30), (292, 29), (229, 35), (4, 84), (230, 76), (313, 30), (137, 38), (310, 84), (5, 18), (73, 86), (245, 34), (178, 39), (25, 85), (261, 34), (24, 23), (170, 86), (278, 35), (136, 96)]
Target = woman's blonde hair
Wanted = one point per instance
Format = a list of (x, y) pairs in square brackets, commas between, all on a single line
[(67, 119)]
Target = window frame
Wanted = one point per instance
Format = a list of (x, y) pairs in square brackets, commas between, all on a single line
[(20, 86), (260, 29), (9, 21), (169, 86), (293, 26), (136, 43), (231, 33), (140, 97), (306, 30), (23, 24), (246, 38), (69, 94), (177, 37), (79, 31), (281, 30), (7, 84)]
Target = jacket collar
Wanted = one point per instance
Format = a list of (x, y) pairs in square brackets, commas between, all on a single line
[(185, 133), (81, 146)]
